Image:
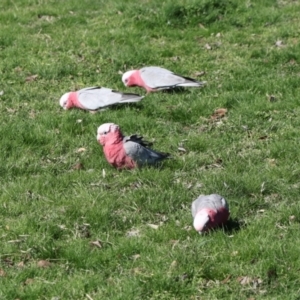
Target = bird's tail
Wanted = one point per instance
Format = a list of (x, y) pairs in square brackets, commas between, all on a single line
[(130, 98), (193, 84)]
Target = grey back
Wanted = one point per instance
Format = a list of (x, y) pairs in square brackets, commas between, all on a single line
[(213, 201), (93, 98)]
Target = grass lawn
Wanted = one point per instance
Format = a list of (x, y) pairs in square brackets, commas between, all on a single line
[(73, 227)]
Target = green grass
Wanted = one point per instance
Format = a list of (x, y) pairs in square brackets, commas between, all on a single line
[(51, 211)]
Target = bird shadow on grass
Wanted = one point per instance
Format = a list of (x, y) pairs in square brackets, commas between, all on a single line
[(177, 89), (233, 225), (118, 106)]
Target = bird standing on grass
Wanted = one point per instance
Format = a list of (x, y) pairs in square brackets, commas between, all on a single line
[(93, 98), (126, 152), (209, 211), (156, 78)]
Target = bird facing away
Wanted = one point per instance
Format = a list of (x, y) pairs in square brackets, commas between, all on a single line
[(93, 98), (126, 152), (209, 211), (156, 78)]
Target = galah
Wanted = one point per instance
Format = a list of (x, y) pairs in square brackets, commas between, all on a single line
[(93, 98), (157, 78), (209, 211), (126, 151)]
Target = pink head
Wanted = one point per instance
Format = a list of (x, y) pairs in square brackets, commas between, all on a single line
[(109, 133), (69, 100), (204, 220), (130, 78), (64, 101)]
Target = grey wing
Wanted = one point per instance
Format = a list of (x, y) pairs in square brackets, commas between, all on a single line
[(219, 201), (213, 201), (137, 139), (142, 155), (94, 98), (194, 207), (160, 78)]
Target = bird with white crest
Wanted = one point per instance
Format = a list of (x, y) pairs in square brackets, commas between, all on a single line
[(94, 98), (156, 78), (209, 211), (126, 152)]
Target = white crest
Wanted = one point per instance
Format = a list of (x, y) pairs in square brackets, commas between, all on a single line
[(200, 221), (126, 76), (104, 128), (63, 100)]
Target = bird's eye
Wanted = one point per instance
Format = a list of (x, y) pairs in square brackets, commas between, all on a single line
[(105, 132)]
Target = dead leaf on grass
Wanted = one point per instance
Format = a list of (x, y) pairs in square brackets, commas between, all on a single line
[(46, 18), (97, 244), (246, 280), (2, 273), (272, 162), (226, 279), (174, 243), (199, 73), (181, 149), (211, 283), (21, 264), (133, 233), (137, 271), (292, 62), (78, 166), (80, 150), (14, 241), (135, 256), (8, 261), (153, 226), (188, 228), (173, 264), (136, 185), (292, 218), (28, 281), (11, 110), (216, 164), (175, 58), (43, 263), (279, 43), (207, 47), (271, 197), (243, 280), (218, 114), (32, 114), (31, 78)]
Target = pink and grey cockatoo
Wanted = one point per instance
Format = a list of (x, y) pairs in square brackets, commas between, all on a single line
[(209, 211), (156, 78), (93, 98), (126, 151)]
